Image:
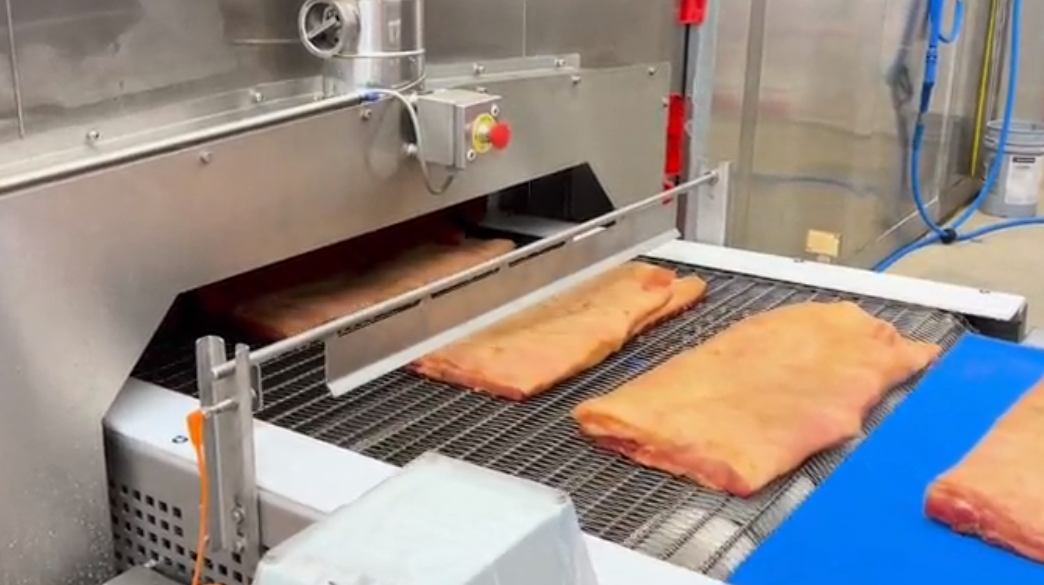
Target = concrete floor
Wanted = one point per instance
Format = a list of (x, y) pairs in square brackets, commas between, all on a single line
[(1010, 261)]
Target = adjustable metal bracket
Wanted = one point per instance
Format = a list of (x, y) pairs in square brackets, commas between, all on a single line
[(228, 435)]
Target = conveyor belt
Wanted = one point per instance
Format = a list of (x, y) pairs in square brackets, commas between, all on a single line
[(401, 416)]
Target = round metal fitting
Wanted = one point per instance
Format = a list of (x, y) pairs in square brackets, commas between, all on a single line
[(328, 27)]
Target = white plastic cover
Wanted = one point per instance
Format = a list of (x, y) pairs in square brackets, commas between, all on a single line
[(439, 522)]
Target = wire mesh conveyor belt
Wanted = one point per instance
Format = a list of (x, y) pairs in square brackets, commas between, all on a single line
[(401, 416)]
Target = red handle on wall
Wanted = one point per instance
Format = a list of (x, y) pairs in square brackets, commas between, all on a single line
[(692, 12), (676, 116)]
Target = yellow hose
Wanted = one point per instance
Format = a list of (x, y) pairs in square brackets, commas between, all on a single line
[(980, 108)]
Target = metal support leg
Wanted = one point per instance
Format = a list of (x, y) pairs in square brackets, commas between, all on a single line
[(228, 435)]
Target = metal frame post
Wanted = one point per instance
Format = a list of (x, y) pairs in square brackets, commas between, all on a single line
[(703, 212), (228, 441)]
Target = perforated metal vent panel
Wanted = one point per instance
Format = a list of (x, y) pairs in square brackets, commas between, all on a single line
[(147, 530), (401, 416)]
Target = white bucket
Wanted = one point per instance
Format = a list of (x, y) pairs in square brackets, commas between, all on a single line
[(1017, 188)]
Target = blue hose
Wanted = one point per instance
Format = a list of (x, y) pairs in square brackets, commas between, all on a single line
[(939, 233), (1002, 225), (936, 37), (965, 237)]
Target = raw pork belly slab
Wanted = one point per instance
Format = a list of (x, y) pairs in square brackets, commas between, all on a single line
[(685, 292), (295, 310), (996, 491), (755, 401), (531, 351)]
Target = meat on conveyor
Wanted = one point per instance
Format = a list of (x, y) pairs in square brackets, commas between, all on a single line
[(299, 308), (755, 401), (535, 349), (995, 491)]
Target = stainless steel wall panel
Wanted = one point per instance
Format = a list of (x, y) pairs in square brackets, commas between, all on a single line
[(606, 33), (469, 30), (104, 68), (100, 60), (1029, 100), (820, 131)]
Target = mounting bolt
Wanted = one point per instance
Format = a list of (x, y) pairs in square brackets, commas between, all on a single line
[(495, 110), (206, 157), (93, 136), (559, 63), (478, 68), (237, 515), (651, 71), (366, 114), (576, 79), (482, 90), (257, 96), (472, 155)]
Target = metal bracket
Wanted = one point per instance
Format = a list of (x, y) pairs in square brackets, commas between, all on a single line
[(711, 206), (228, 435), (454, 74)]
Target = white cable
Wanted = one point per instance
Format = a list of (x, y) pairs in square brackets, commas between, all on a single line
[(419, 150)]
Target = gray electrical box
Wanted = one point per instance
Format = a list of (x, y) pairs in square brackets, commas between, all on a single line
[(457, 126)]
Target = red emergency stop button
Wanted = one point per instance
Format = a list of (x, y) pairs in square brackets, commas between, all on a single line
[(499, 135)]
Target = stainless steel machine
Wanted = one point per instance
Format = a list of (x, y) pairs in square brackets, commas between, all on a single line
[(193, 140)]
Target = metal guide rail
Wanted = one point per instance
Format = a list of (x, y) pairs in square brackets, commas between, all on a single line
[(522, 275), (400, 416)]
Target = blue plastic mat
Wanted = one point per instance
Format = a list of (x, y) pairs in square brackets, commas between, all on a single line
[(866, 523)]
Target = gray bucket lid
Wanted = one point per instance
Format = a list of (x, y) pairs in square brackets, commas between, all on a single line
[(1022, 133)]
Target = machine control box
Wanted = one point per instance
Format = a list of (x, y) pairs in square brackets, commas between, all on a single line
[(458, 125)]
